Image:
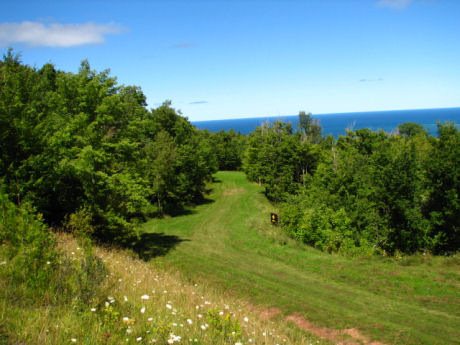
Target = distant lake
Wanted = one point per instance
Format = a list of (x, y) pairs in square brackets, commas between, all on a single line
[(336, 124)]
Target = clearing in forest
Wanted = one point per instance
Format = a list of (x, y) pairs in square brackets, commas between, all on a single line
[(229, 242)]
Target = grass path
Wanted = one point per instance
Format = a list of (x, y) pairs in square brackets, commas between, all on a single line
[(230, 243)]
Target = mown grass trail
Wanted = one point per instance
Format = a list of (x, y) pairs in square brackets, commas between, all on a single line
[(230, 242)]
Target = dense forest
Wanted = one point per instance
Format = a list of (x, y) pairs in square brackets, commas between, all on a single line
[(87, 154), (366, 192)]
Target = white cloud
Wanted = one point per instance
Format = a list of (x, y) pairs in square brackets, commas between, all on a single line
[(394, 4), (55, 35)]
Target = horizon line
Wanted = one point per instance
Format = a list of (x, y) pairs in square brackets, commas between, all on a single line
[(320, 114)]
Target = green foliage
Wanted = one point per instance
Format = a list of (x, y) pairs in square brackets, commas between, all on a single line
[(411, 129), (223, 326), (80, 223), (27, 248), (109, 315), (309, 127), (279, 159), (33, 270), (229, 148), (373, 192), (443, 206), (81, 145)]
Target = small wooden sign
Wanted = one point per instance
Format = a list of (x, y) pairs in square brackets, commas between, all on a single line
[(274, 218)]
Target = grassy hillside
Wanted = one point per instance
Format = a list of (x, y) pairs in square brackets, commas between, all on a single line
[(229, 242), (137, 303)]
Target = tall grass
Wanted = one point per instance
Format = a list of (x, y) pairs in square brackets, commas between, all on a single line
[(137, 303)]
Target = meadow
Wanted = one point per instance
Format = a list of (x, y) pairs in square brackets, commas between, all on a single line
[(138, 303), (221, 273), (228, 242)]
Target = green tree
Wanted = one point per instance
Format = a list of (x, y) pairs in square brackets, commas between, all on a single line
[(443, 208)]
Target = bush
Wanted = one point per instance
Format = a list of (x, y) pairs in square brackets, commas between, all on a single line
[(33, 270), (27, 248)]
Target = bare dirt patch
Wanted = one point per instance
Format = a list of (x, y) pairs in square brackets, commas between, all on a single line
[(351, 336), (234, 191), (269, 314)]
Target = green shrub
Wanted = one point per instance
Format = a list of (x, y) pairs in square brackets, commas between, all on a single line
[(33, 270), (27, 248)]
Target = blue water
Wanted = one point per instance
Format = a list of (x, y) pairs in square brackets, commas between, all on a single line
[(336, 124)]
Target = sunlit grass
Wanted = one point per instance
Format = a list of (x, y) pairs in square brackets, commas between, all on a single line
[(138, 303), (231, 244)]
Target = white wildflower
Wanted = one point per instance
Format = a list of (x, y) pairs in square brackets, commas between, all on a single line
[(93, 309), (145, 297), (189, 321), (125, 298), (173, 338), (246, 319), (139, 339), (73, 340), (168, 306), (143, 310)]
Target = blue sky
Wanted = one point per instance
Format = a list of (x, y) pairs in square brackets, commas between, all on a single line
[(217, 59)]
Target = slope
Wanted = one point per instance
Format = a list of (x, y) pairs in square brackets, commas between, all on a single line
[(229, 242)]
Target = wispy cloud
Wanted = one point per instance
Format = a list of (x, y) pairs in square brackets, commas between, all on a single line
[(199, 102), (394, 4), (183, 45), (55, 35), (365, 80)]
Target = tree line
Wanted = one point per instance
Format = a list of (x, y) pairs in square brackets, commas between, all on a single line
[(86, 153), (365, 192), (81, 147)]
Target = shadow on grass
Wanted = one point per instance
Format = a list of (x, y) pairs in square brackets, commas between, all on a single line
[(152, 245), (216, 180), (177, 211)]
